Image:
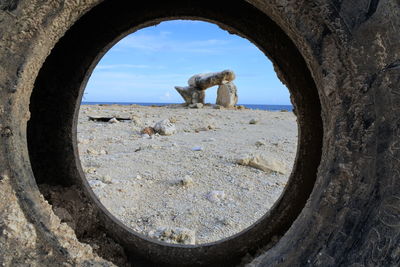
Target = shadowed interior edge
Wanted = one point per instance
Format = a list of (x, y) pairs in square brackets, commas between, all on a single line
[(58, 89)]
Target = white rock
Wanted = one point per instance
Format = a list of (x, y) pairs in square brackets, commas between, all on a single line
[(216, 196), (96, 184), (113, 120), (197, 148), (107, 179), (186, 181), (165, 127), (103, 152), (262, 163), (174, 235), (260, 143), (197, 105), (90, 170), (253, 121), (145, 136), (91, 151)]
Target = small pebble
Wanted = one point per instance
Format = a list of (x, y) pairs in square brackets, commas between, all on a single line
[(145, 136), (91, 151), (186, 181), (253, 121), (197, 148), (216, 196), (148, 130), (107, 179), (90, 170), (113, 120), (96, 184), (260, 143)]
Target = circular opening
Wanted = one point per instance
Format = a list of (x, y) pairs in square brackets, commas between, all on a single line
[(55, 105), (210, 171)]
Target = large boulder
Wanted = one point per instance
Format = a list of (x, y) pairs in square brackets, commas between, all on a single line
[(227, 95)]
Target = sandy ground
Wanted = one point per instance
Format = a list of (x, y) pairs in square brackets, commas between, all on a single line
[(187, 187)]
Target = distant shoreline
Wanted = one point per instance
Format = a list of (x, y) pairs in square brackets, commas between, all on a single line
[(250, 106)]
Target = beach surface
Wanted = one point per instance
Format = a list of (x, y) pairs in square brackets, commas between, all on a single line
[(218, 172)]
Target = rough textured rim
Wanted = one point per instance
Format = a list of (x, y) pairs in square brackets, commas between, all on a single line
[(59, 88), (352, 49)]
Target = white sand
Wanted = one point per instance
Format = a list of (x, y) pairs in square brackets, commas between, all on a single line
[(139, 180)]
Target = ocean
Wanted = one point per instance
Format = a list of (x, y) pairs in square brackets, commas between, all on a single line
[(250, 106)]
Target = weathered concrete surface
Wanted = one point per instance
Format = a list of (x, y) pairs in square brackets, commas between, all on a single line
[(352, 51), (31, 233)]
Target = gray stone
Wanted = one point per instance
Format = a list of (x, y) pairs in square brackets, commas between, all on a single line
[(165, 127), (227, 95)]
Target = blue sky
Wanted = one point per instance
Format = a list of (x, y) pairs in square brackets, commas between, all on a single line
[(146, 65)]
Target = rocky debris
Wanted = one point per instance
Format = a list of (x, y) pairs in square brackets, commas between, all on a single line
[(136, 120), (113, 120), (144, 136), (197, 84), (186, 181), (254, 121), (148, 130), (227, 95), (92, 151), (173, 120), (216, 196), (174, 235), (218, 107), (165, 127), (96, 184), (201, 129), (260, 143), (262, 163), (162, 197), (107, 179), (211, 127), (197, 105), (241, 107), (204, 129), (90, 170)]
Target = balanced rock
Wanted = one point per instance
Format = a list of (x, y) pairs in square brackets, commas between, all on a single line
[(197, 84)]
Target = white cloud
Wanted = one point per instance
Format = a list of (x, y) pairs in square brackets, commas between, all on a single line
[(118, 66), (166, 97), (126, 66), (162, 42)]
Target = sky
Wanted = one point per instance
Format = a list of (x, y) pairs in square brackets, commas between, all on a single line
[(145, 66)]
